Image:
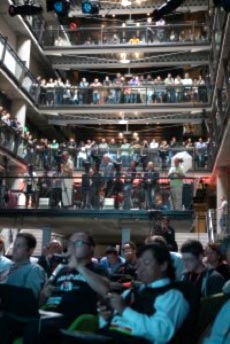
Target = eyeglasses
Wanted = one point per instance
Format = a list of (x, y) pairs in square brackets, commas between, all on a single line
[(79, 243)]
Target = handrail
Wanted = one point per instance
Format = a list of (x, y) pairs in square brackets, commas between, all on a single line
[(94, 191), (153, 93), (210, 226), (41, 154), (125, 34)]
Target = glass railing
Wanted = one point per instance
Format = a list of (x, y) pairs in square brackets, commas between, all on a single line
[(46, 155), (122, 191), (116, 94), (127, 34), (14, 66)]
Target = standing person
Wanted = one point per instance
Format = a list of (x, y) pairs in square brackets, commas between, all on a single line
[(67, 179), (130, 175), (30, 180), (223, 209), (150, 179), (108, 174), (167, 232), (86, 188), (96, 187), (176, 175)]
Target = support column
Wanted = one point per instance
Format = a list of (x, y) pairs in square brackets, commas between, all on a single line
[(223, 190), (18, 109), (24, 49), (125, 235), (46, 236)]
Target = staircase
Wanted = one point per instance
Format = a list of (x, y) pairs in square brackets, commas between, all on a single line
[(182, 237)]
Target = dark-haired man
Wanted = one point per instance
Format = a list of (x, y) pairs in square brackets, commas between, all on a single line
[(207, 281), (139, 314), (24, 273)]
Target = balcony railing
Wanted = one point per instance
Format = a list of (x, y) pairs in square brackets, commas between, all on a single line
[(50, 155), (147, 35), (101, 95), (122, 191), (15, 67)]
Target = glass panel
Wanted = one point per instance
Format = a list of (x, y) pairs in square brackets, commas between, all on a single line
[(2, 43), (9, 61)]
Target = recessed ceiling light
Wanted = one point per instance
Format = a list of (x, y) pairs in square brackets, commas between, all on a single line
[(125, 3)]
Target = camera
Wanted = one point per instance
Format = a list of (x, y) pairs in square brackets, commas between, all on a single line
[(60, 259)]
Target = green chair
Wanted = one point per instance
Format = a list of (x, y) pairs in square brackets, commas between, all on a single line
[(209, 308), (85, 322), (18, 341)]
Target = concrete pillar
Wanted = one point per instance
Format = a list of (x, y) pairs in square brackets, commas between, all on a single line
[(125, 235), (222, 189), (24, 49), (46, 237), (18, 109)]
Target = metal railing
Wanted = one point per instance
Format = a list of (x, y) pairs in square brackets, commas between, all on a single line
[(117, 94), (125, 34), (211, 224), (120, 191), (43, 155)]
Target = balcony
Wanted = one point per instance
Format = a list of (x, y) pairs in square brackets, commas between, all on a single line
[(14, 70), (137, 37)]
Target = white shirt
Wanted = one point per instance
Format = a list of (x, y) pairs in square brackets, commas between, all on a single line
[(159, 328)]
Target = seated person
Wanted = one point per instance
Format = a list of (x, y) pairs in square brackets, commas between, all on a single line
[(129, 267), (155, 311), (112, 261), (22, 273), (72, 289), (5, 262), (205, 279)]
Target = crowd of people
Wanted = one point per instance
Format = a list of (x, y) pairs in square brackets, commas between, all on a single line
[(121, 89), (132, 294), (147, 34)]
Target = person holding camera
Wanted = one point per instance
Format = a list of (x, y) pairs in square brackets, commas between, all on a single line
[(176, 175)]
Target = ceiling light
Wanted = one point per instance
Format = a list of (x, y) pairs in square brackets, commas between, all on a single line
[(124, 60), (125, 3), (90, 7)]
